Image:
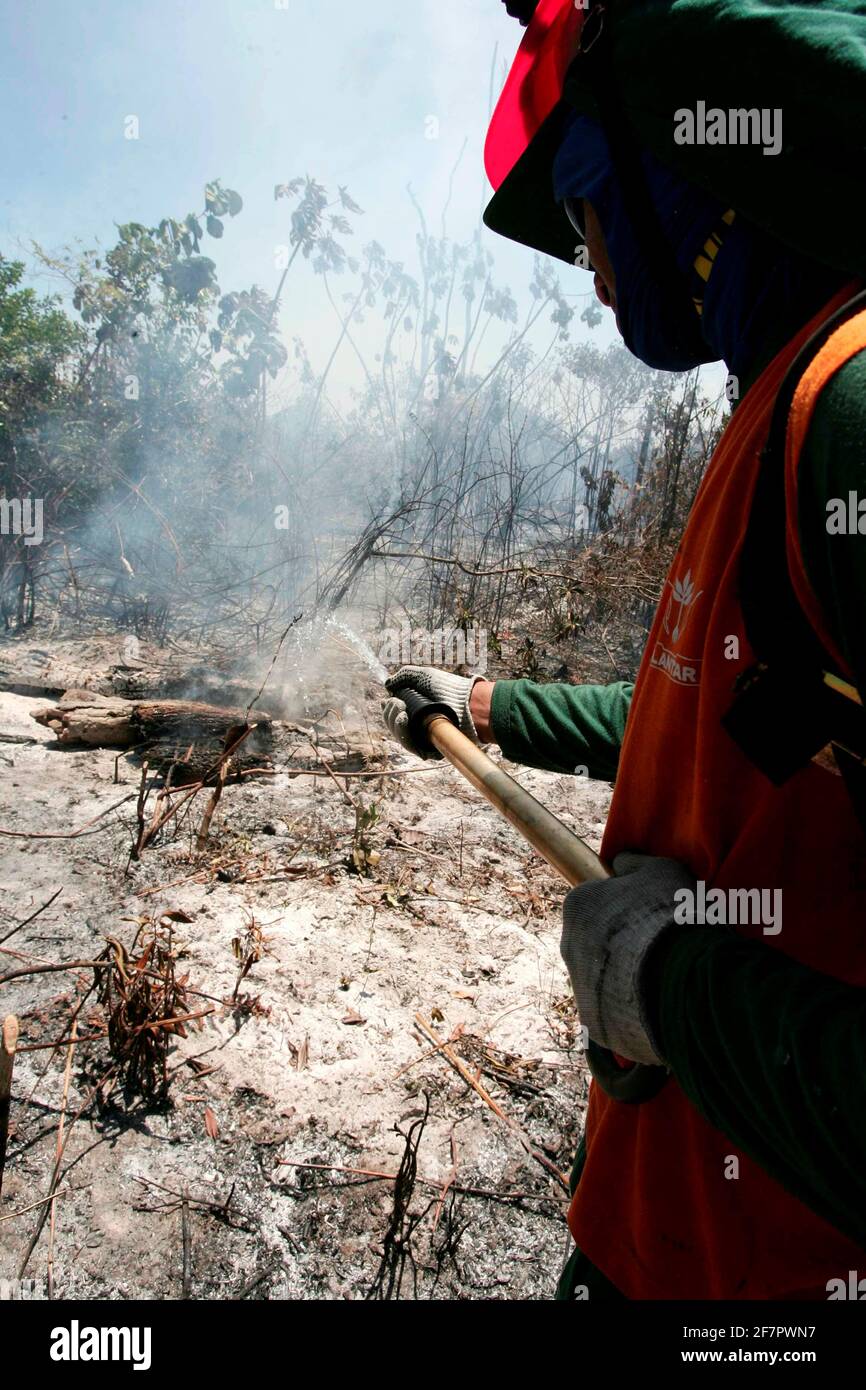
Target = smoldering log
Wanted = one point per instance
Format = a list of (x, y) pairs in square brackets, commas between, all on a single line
[(187, 736), (182, 720), (81, 717)]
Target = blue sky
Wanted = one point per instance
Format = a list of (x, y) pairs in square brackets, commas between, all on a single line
[(253, 92)]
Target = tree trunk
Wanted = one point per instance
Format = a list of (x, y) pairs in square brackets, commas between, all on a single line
[(182, 734)]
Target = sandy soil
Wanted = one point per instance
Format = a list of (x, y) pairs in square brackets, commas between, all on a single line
[(317, 1059)]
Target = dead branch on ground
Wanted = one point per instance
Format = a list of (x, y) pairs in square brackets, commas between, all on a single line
[(147, 1008)]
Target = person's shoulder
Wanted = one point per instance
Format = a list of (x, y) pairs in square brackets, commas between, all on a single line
[(832, 472), (834, 450)]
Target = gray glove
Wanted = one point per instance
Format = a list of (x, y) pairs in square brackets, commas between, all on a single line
[(437, 685), (609, 930)]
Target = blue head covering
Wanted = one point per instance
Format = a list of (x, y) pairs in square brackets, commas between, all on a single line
[(758, 293)]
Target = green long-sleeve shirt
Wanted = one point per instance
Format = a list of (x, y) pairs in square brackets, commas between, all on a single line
[(562, 728), (726, 1009)]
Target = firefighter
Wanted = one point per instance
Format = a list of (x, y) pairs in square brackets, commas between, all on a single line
[(738, 752)]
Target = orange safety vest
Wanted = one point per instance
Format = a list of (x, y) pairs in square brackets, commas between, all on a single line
[(654, 1209)]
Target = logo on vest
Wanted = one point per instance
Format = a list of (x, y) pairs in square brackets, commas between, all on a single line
[(684, 670)]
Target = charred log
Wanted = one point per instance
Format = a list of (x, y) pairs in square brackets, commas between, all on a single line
[(184, 736), (187, 738)]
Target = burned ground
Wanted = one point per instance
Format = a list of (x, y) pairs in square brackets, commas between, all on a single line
[(385, 1080)]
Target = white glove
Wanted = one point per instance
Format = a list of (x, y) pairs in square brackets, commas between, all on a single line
[(609, 930), (437, 685)]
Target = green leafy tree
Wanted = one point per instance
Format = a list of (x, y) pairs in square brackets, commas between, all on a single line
[(39, 345)]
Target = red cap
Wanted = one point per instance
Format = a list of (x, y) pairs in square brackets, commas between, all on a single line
[(533, 85)]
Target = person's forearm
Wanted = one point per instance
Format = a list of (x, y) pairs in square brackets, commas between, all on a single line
[(479, 710), (561, 728), (774, 1056)]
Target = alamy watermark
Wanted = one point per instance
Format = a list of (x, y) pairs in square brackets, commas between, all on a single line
[(442, 646), (729, 907), (17, 1289), (77, 1343), (22, 516), (853, 1288), (737, 126), (846, 517)]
